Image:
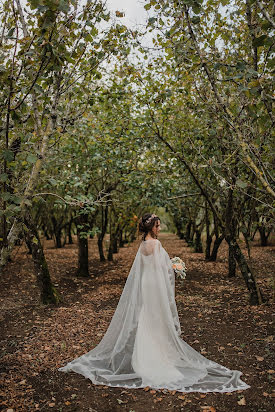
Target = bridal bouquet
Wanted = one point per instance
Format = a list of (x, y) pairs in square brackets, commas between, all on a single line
[(179, 267)]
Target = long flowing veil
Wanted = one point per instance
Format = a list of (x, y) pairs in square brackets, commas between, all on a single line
[(142, 345)]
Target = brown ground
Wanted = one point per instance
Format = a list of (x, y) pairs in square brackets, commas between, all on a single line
[(215, 317)]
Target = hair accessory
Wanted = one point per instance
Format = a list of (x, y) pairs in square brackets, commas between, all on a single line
[(150, 218)]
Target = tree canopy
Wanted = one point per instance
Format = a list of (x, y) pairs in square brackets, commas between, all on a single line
[(96, 127)]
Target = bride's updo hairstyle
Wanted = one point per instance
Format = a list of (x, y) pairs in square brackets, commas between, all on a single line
[(147, 223)]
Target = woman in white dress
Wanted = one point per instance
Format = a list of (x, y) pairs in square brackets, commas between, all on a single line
[(142, 345)]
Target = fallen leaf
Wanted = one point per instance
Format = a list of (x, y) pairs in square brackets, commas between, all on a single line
[(270, 371), (242, 401), (207, 408), (120, 401), (157, 400), (153, 391), (182, 397), (51, 405), (259, 358)]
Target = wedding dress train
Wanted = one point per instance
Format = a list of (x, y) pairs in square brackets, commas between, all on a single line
[(142, 345)]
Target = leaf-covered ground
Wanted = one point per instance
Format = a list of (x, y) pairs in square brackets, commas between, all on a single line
[(215, 317)]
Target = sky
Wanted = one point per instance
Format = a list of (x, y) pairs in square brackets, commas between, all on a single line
[(133, 9), (135, 17)]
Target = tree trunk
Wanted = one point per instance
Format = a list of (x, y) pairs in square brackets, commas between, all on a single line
[(216, 245), (83, 254), (115, 249), (198, 243), (100, 249), (121, 243), (116, 239), (264, 236), (45, 232), (231, 262), (82, 241), (69, 233), (208, 246), (29, 245), (12, 238), (110, 250), (255, 294), (104, 222), (47, 290), (180, 233), (57, 233), (208, 235), (188, 231), (58, 238)]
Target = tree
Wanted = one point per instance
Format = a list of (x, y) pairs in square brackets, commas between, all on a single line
[(52, 56)]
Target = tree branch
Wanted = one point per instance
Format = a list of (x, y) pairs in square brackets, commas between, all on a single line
[(265, 13)]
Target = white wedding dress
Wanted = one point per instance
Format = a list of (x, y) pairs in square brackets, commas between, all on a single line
[(142, 346)]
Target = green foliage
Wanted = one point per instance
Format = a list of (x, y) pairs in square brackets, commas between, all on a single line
[(132, 137)]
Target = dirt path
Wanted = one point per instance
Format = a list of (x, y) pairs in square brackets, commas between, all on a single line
[(215, 317)]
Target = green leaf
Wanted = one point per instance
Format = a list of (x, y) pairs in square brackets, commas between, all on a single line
[(13, 209), (152, 20), (196, 19), (35, 240), (252, 71), (240, 66), (8, 155), (31, 158), (259, 41), (10, 33), (241, 183), (4, 177), (16, 199), (147, 6), (38, 88), (27, 202), (15, 116), (52, 181), (64, 6), (5, 196)]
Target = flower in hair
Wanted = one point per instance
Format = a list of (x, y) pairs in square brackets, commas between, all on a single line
[(150, 218)]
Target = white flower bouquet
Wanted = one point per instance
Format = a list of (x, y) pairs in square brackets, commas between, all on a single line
[(179, 267)]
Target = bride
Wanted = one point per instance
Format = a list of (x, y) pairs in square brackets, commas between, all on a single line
[(142, 345)]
